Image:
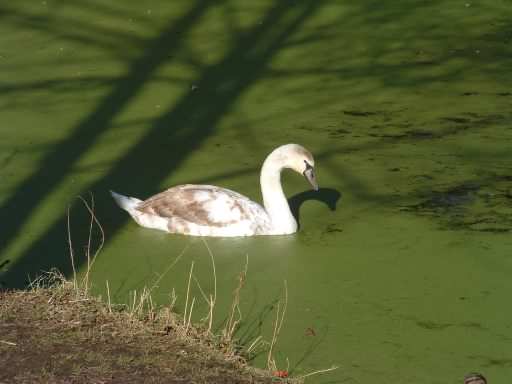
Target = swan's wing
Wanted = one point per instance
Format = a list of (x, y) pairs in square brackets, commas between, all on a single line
[(203, 205)]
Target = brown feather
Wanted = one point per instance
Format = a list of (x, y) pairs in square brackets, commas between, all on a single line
[(181, 202)]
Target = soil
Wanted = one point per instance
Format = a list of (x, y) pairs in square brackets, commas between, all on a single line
[(53, 335)]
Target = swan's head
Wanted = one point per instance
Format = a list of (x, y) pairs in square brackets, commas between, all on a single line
[(299, 159)]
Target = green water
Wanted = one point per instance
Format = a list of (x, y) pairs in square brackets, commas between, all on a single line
[(401, 269)]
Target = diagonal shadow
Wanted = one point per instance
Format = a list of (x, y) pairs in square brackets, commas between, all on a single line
[(57, 164), (173, 136)]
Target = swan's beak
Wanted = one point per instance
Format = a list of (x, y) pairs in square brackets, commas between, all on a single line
[(309, 174)]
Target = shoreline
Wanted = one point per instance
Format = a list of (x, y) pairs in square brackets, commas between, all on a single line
[(60, 334)]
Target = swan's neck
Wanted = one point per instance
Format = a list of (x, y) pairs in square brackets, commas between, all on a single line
[(274, 199)]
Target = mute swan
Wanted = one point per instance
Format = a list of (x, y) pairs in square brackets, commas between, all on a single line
[(206, 210)]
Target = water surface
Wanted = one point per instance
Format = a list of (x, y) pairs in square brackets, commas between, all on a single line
[(401, 266)]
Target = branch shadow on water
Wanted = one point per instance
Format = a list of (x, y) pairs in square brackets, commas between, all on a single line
[(57, 165), (173, 136)]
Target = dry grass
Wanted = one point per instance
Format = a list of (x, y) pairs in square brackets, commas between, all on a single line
[(278, 324), (142, 314), (235, 315), (58, 334)]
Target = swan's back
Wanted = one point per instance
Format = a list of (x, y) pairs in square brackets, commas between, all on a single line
[(203, 210)]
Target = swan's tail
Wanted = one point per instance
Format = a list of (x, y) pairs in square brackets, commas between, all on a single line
[(125, 202)]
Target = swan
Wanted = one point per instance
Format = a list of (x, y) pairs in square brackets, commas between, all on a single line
[(207, 210)]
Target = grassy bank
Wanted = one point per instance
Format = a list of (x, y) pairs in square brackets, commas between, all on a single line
[(58, 333)]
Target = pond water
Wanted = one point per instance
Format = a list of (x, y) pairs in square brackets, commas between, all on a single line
[(401, 268)]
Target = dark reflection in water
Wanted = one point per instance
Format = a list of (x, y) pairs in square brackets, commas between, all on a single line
[(328, 196)]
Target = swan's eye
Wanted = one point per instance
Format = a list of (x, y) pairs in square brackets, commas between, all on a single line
[(308, 166)]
